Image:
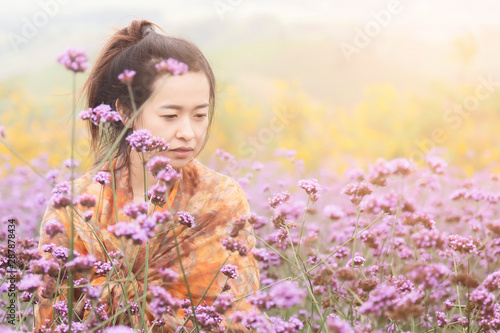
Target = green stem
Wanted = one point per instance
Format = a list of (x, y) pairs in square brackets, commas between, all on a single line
[(186, 281), (71, 240)]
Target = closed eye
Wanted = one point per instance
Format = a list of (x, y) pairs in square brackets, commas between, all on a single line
[(201, 115), (170, 116)]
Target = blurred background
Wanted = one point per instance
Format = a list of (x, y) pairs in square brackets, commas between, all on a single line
[(341, 83)]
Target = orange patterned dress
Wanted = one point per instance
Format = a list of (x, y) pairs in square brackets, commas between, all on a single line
[(215, 200)]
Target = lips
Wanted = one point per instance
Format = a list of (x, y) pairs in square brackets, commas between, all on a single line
[(182, 149)]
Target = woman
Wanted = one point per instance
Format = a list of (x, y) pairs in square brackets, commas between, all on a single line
[(183, 252)]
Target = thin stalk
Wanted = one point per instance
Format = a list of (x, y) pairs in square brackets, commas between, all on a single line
[(186, 281), (72, 237)]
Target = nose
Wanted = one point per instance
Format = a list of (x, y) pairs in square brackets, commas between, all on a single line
[(185, 130)]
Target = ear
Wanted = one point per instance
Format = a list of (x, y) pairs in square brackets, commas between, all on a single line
[(121, 109)]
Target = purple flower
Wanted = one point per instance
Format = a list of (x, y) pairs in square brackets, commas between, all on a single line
[(71, 163), (162, 302), (119, 329), (142, 140), (93, 291), (127, 76), (207, 317), (168, 274), (168, 175), (232, 245), (382, 299), (62, 308), (135, 209), (287, 294), (103, 268), (101, 113), (223, 302), (129, 231), (172, 65), (311, 187), (44, 266), (73, 59), (335, 324), (231, 271), (30, 283), (60, 201), (278, 199), (253, 320), (86, 200), (48, 247), (83, 263), (157, 163), (293, 325), (162, 217), (359, 261), (61, 253), (185, 218), (62, 188), (102, 177), (53, 227), (492, 281)]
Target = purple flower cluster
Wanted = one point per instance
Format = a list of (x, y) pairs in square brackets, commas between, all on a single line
[(207, 316), (162, 301), (53, 227), (312, 187), (82, 263), (287, 294), (102, 113), (102, 177), (127, 76), (74, 59), (173, 66), (278, 199), (142, 140), (231, 271), (157, 164), (129, 231), (186, 219), (168, 275)]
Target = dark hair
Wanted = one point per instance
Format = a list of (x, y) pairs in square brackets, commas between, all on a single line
[(137, 47)]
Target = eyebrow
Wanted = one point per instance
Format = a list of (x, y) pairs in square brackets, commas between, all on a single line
[(180, 108)]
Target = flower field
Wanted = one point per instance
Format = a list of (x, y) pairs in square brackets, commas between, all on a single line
[(391, 246)]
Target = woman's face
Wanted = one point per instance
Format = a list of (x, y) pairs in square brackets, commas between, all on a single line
[(179, 114)]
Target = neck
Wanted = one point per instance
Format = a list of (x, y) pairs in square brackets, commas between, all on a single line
[(136, 174)]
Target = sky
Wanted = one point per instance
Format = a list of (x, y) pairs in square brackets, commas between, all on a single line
[(61, 23), (427, 19)]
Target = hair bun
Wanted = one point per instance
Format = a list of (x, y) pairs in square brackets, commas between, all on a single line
[(146, 29), (137, 29)]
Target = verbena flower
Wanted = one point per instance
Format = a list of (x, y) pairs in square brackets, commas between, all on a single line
[(71, 163), (30, 283), (157, 164), (102, 177), (127, 76), (81, 264), (186, 219), (168, 275), (278, 199), (163, 301), (287, 294), (102, 113), (74, 59), (231, 271), (53, 227), (173, 66), (129, 231), (142, 140)]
